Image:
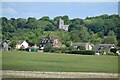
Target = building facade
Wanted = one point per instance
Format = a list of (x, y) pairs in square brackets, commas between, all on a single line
[(62, 25)]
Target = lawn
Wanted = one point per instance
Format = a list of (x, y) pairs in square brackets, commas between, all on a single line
[(36, 61)]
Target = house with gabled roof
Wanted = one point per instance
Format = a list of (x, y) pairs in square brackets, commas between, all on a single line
[(48, 41), (22, 44), (105, 47), (87, 46)]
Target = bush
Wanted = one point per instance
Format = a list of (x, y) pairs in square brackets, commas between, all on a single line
[(55, 50), (84, 52), (63, 50), (58, 50), (113, 50), (102, 52), (48, 48), (111, 53)]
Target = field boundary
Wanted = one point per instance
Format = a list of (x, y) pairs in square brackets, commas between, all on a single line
[(37, 74)]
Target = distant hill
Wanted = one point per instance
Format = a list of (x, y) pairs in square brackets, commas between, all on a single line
[(99, 29)]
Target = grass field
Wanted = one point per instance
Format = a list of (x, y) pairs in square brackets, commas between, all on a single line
[(48, 62)]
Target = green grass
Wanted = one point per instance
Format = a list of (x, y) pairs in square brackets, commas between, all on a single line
[(30, 61)]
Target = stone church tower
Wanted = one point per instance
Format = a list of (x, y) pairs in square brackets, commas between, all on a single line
[(62, 26)]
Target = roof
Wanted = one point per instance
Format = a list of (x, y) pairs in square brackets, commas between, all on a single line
[(103, 46), (20, 42), (45, 41), (77, 44), (56, 43)]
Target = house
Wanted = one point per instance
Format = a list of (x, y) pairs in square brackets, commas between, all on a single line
[(86, 46), (56, 43), (62, 25), (43, 42), (47, 41), (105, 47), (5, 45), (22, 44)]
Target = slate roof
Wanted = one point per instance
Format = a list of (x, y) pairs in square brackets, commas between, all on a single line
[(53, 42), (106, 47), (20, 42), (45, 41)]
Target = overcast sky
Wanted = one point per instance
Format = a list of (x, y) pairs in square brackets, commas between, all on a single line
[(53, 9)]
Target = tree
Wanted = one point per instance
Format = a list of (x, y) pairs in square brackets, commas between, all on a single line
[(66, 19), (45, 18), (21, 23), (77, 21), (12, 45), (74, 36), (13, 21), (111, 38), (50, 27), (74, 27), (31, 23), (95, 39)]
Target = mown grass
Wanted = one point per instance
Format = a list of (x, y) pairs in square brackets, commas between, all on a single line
[(36, 61)]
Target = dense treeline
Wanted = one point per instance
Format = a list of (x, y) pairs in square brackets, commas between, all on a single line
[(100, 29)]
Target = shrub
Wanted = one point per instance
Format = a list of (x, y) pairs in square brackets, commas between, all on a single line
[(55, 50), (48, 48), (113, 50), (84, 52), (102, 52), (63, 50), (111, 53), (58, 50)]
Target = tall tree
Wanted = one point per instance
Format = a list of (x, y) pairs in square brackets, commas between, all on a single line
[(111, 38)]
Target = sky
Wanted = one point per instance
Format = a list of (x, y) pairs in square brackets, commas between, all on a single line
[(53, 9)]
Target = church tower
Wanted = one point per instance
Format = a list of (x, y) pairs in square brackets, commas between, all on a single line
[(62, 26)]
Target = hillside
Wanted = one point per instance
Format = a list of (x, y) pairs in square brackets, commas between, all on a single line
[(99, 29)]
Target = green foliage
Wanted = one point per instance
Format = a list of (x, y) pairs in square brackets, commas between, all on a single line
[(96, 39), (100, 29), (12, 45), (48, 48), (49, 27), (84, 52), (111, 38), (102, 52), (113, 50), (45, 18), (111, 53), (81, 35)]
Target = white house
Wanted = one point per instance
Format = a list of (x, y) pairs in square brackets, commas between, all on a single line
[(87, 46), (22, 44)]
